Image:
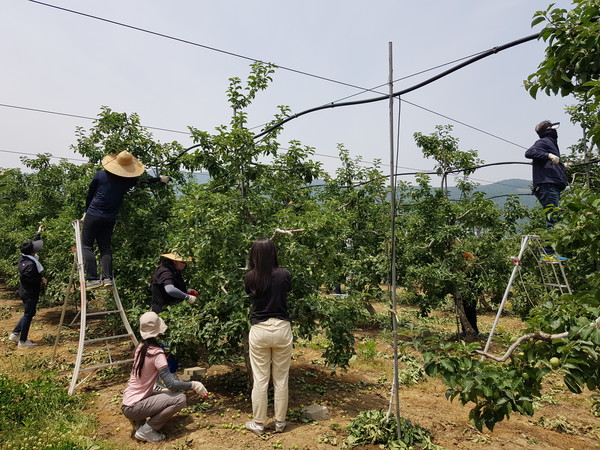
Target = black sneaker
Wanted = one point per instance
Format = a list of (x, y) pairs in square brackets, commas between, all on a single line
[(93, 284)]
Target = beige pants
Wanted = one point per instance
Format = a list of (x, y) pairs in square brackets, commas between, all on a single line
[(270, 356)]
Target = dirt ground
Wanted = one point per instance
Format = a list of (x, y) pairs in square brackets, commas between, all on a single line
[(219, 422)]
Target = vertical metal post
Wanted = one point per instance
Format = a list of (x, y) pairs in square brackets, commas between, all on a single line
[(393, 239)]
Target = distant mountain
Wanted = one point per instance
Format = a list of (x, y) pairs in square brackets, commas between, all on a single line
[(498, 191)]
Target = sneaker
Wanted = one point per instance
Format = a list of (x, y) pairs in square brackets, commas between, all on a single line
[(93, 284), (553, 258), (137, 424), (280, 426), (148, 434), (26, 344), (14, 337), (107, 282), (255, 427)]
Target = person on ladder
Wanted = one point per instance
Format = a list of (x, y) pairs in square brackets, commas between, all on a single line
[(31, 284), (105, 195), (549, 178)]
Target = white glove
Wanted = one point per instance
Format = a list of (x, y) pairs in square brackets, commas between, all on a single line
[(191, 299), (41, 228), (199, 388), (553, 158), (164, 179), (567, 165)]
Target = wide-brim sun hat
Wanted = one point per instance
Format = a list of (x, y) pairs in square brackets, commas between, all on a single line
[(174, 256), (151, 325), (123, 164)]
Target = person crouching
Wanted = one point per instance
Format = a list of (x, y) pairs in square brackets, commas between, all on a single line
[(140, 401)]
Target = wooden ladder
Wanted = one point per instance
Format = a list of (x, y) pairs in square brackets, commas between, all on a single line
[(83, 315)]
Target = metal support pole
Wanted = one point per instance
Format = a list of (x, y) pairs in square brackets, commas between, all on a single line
[(393, 239)]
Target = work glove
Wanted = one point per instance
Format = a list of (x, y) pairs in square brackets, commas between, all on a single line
[(199, 389), (41, 228), (164, 179), (567, 165), (553, 158), (44, 282), (192, 292), (191, 299)]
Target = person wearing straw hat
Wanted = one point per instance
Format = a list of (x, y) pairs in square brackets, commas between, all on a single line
[(140, 401), (31, 284), (104, 199), (168, 286)]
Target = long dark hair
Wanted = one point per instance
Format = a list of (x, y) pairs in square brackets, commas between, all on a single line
[(262, 261), (138, 364)]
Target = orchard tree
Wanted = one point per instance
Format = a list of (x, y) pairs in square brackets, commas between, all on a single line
[(571, 64)]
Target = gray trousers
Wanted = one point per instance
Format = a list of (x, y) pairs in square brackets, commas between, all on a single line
[(160, 407)]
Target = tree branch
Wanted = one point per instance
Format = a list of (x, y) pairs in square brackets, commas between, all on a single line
[(288, 232), (539, 335)]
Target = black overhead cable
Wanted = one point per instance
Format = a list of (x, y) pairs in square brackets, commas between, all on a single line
[(482, 55), (474, 57), (84, 117)]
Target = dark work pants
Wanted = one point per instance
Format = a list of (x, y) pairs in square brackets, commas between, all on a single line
[(100, 230), (29, 305), (471, 313), (548, 194)]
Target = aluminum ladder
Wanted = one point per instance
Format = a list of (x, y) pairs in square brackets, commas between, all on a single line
[(551, 270), (83, 315)]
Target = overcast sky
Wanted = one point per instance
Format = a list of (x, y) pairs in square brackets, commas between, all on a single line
[(67, 63)]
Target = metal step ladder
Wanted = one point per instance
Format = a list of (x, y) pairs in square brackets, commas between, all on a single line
[(551, 270), (84, 315)]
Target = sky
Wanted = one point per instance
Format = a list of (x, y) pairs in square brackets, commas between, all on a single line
[(70, 65)]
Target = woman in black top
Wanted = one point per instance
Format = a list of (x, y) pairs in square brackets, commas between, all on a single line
[(270, 337)]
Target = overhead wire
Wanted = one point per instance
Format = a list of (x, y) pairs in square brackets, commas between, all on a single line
[(195, 44), (328, 105)]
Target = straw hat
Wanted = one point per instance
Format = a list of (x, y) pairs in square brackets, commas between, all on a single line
[(123, 164), (151, 325), (174, 256)]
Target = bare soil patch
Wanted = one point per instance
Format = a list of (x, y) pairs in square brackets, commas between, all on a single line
[(219, 422)]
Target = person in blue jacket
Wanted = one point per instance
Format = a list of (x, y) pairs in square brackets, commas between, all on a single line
[(121, 173), (549, 178)]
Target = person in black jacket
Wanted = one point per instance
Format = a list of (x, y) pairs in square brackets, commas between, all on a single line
[(30, 275), (168, 286), (549, 178)]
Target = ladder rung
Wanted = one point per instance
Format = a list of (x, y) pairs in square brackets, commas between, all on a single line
[(556, 285), (102, 313), (102, 366), (119, 336)]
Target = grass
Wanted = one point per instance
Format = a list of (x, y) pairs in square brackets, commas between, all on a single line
[(39, 413)]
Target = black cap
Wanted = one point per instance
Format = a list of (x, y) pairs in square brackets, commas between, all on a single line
[(31, 247), (542, 127)]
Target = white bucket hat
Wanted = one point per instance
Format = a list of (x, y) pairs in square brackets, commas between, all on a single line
[(123, 164), (151, 325)]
